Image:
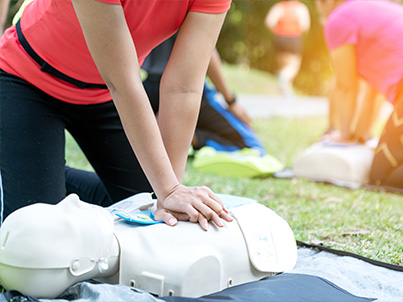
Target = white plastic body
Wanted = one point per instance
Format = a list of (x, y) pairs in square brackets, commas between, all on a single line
[(186, 261), (47, 283), (57, 246), (345, 166)]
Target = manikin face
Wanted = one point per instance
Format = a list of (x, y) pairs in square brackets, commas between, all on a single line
[(72, 236), (78, 227)]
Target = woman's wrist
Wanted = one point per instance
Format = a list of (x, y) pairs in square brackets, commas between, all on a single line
[(166, 192), (231, 100)]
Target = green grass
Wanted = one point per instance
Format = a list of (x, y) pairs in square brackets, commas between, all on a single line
[(360, 221), (250, 81)]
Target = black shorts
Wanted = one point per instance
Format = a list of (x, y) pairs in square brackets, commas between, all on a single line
[(288, 44)]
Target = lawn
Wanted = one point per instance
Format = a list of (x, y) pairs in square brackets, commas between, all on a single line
[(360, 221)]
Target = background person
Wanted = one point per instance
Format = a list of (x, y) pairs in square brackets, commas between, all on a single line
[(364, 42), (288, 21)]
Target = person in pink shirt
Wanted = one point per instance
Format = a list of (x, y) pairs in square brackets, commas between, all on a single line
[(61, 67), (364, 39)]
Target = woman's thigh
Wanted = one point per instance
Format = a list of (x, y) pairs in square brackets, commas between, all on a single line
[(99, 133), (32, 146)]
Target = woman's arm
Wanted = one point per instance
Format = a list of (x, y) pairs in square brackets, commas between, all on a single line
[(216, 75), (181, 91), (112, 48), (273, 16), (370, 105), (304, 18), (343, 95), (182, 84)]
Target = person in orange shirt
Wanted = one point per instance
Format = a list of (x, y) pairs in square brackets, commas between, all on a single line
[(288, 21)]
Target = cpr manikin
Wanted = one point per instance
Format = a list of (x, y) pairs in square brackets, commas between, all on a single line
[(341, 164), (44, 249)]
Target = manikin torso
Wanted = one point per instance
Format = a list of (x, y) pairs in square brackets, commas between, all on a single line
[(346, 164)]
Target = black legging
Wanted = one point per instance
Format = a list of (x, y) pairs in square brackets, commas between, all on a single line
[(387, 167), (32, 147), (87, 186)]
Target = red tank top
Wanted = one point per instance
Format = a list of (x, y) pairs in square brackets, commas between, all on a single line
[(52, 29)]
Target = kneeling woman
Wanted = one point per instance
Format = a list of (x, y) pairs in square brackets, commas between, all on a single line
[(364, 38), (62, 66)]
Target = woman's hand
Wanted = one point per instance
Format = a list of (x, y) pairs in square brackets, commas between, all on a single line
[(240, 112), (195, 204), (330, 134), (335, 136)]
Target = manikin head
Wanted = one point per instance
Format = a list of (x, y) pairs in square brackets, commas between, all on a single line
[(44, 249)]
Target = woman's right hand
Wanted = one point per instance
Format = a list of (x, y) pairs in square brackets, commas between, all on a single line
[(195, 204)]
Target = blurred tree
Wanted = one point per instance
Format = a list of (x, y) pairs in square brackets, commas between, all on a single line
[(245, 40)]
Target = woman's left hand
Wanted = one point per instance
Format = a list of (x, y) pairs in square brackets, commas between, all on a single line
[(195, 204)]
